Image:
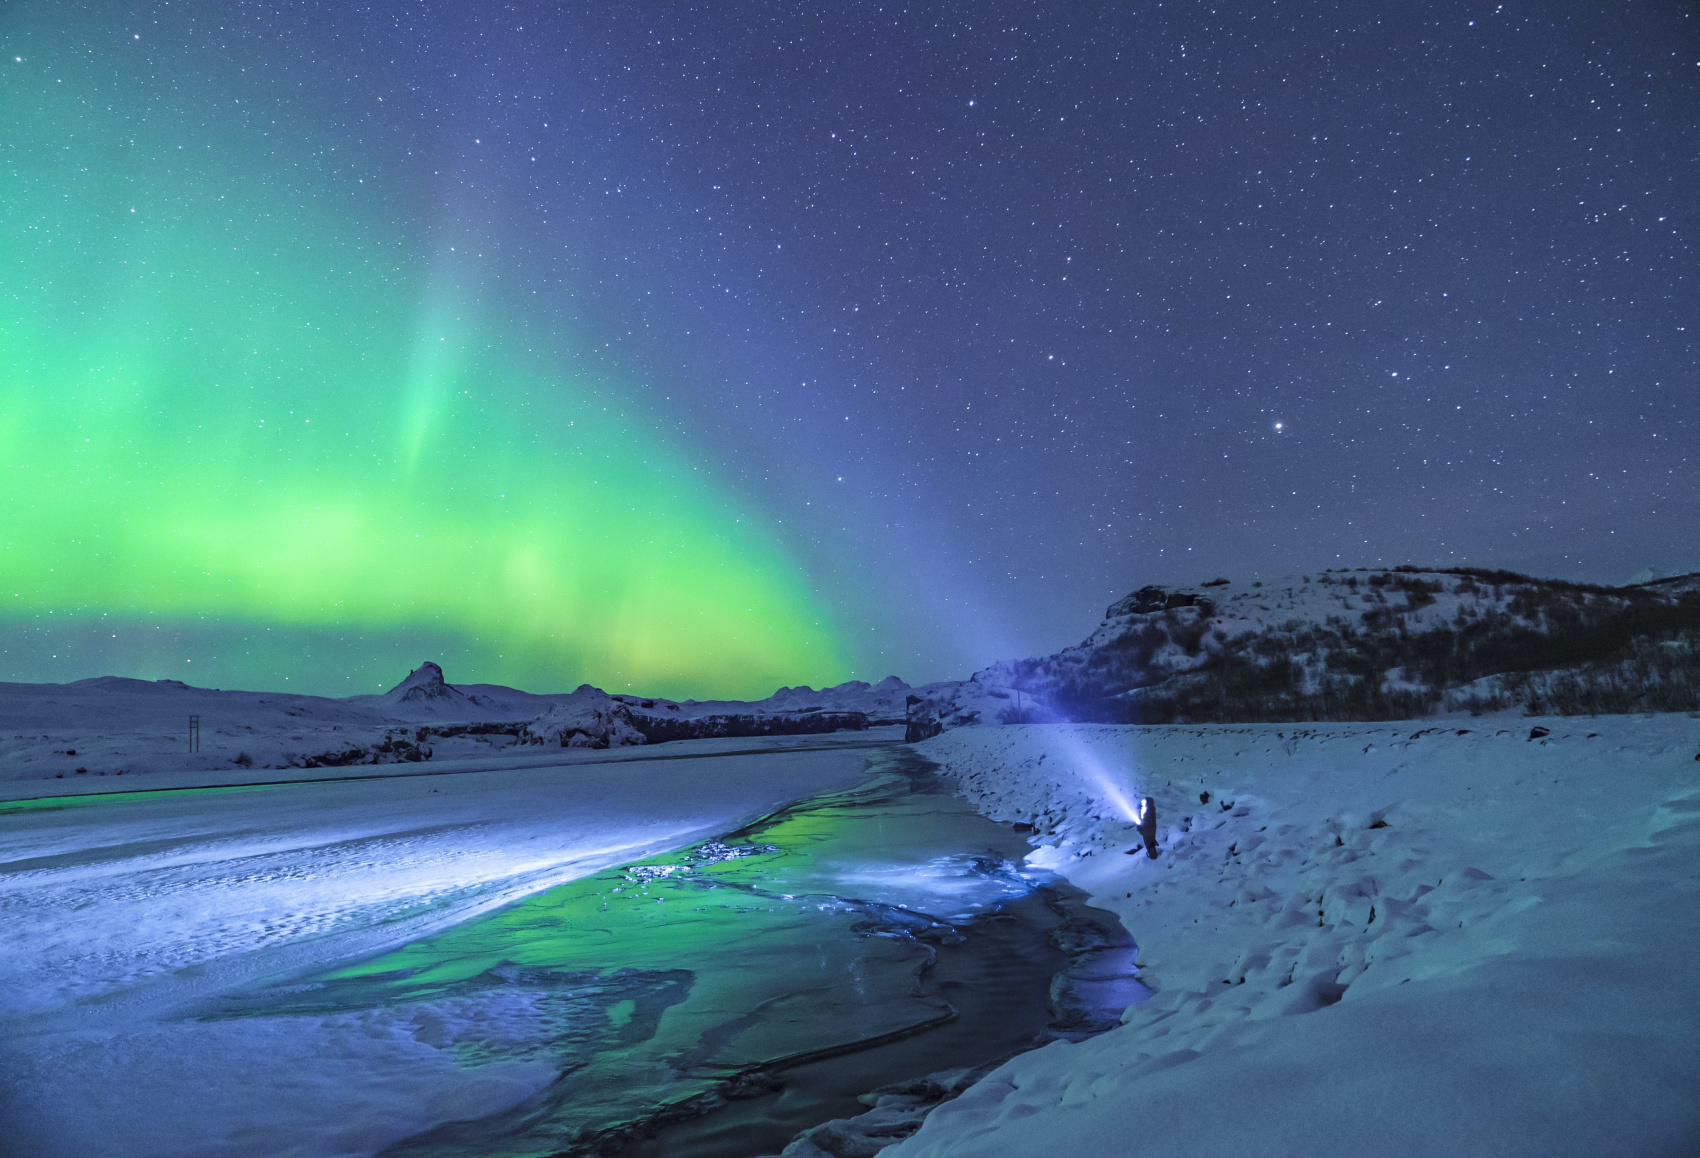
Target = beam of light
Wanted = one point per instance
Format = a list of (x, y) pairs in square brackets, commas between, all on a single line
[(1092, 770)]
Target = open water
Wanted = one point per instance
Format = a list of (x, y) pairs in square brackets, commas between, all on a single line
[(715, 1002)]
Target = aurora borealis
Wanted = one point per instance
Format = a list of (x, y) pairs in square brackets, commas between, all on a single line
[(705, 349), (254, 401)]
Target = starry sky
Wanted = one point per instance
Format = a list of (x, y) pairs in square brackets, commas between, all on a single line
[(703, 348)]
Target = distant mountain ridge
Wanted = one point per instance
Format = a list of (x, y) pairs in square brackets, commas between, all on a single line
[(111, 725), (1366, 644), (591, 717)]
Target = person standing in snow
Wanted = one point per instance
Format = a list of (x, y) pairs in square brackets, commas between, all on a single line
[(1147, 825)]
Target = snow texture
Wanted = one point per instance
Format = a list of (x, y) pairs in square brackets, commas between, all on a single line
[(1363, 939), (124, 923)]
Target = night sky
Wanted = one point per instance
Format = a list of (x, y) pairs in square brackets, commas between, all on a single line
[(699, 349)]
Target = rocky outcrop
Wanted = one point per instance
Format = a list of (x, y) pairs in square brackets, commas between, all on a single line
[(424, 688), (1152, 598)]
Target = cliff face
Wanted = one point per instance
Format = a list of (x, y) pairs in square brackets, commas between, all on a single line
[(1356, 645)]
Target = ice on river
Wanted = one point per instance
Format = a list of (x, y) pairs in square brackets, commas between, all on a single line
[(119, 912)]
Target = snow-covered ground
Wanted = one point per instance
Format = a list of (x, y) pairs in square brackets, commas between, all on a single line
[(1369, 939), (1438, 937), (115, 727), (119, 914)]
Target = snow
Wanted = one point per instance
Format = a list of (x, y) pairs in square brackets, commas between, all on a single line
[(1438, 937), (111, 726), (583, 718), (1388, 939), (124, 918), (1326, 625)]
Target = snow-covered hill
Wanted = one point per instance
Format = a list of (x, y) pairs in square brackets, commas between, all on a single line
[(1357, 645)]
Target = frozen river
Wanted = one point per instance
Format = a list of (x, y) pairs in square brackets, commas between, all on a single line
[(518, 962)]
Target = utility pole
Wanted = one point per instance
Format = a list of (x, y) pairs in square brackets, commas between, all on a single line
[(194, 733)]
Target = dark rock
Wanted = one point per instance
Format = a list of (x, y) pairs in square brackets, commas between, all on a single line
[(1152, 598), (659, 729), (916, 730), (1141, 602)]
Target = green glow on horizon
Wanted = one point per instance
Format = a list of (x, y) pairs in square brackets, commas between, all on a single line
[(222, 401)]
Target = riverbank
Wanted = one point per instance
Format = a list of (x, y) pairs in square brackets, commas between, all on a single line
[(1395, 938)]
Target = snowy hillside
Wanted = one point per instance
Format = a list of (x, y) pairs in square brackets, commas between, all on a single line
[(1357, 645)]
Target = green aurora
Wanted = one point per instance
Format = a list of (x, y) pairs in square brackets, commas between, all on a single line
[(235, 393)]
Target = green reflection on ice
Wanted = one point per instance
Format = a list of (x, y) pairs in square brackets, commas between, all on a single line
[(653, 985)]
